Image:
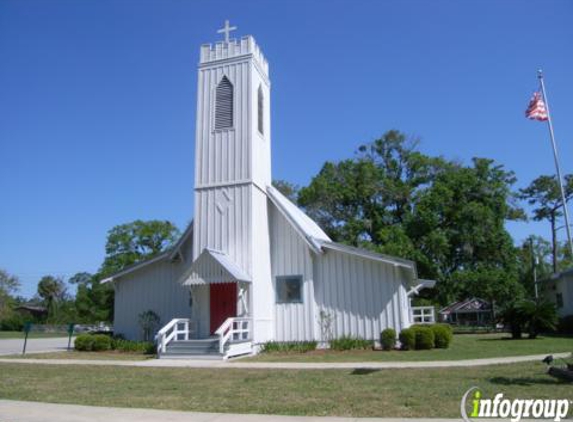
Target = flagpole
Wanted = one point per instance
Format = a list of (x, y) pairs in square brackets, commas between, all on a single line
[(556, 157)]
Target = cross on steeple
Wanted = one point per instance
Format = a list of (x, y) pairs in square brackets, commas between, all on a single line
[(226, 30)]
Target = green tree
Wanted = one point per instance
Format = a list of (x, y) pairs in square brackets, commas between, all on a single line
[(134, 242), (458, 228), (533, 255), (80, 278), (51, 290), (126, 244), (544, 193), (447, 217), (365, 200), (9, 284)]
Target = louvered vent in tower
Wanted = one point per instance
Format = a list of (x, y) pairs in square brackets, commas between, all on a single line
[(224, 105)]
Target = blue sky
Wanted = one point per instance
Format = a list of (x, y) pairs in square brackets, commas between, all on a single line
[(97, 102)]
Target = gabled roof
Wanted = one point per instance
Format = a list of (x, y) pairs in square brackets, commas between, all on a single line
[(307, 228), (168, 254), (213, 266), (318, 240)]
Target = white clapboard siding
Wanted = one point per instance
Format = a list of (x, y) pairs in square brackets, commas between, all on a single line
[(154, 288), (363, 296), (290, 255)]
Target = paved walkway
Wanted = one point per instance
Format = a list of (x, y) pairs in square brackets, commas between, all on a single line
[(36, 345), (219, 364), (19, 411)]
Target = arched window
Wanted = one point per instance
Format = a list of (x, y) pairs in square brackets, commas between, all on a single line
[(261, 113), (224, 105)]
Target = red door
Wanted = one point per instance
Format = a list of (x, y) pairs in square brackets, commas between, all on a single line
[(223, 301)]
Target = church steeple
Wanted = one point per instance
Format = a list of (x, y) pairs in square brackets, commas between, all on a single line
[(233, 162)]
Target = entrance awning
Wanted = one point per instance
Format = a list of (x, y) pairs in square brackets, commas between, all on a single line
[(214, 266)]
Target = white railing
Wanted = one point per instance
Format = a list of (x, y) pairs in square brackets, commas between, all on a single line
[(178, 329), (423, 315), (234, 329)]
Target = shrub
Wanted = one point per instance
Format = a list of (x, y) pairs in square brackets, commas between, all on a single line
[(121, 345), (101, 342), (13, 322), (408, 339), (538, 316), (84, 343), (388, 339), (443, 335), (350, 343), (424, 338), (286, 347)]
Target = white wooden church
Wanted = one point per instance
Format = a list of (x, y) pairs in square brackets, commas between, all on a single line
[(252, 267)]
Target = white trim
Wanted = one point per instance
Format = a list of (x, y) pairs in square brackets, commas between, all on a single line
[(398, 262)]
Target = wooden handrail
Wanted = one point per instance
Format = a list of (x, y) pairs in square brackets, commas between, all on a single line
[(171, 331), (238, 327)]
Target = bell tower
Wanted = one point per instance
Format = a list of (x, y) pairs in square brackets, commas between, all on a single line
[(233, 165)]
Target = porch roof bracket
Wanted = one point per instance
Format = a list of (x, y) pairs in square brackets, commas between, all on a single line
[(424, 284)]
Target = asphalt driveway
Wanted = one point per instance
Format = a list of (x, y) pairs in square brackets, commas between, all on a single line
[(14, 346)]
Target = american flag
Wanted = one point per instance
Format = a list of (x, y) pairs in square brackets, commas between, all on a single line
[(536, 109)]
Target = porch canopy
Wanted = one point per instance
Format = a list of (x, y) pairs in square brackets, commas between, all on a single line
[(212, 267)]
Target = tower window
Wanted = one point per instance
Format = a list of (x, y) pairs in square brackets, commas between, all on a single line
[(261, 113), (224, 105)]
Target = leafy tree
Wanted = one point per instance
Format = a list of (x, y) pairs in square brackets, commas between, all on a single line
[(364, 201), (135, 242), (51, 290), (447, 217), (127, 244), (81, 278), (544, 193), (9, 284), (94, 301), (458, 229)]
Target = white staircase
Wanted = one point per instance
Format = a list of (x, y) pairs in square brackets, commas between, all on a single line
[(232, 338)]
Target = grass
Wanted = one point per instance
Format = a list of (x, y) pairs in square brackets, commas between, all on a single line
[(72, 354), (354, 393), (464, 346), (5, 335)]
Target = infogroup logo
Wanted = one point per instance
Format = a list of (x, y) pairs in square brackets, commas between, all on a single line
[(514, 409)]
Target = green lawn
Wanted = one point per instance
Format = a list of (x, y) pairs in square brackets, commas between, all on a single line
[(110, 355), (464, 346), (356, 393), (33, 334)]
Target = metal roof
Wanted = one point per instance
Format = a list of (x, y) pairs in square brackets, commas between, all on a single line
[(310, 231), (214, 266)]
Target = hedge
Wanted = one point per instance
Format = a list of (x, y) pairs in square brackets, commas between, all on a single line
[(388, 339), (408, 339), (350, 343), (424, 338)]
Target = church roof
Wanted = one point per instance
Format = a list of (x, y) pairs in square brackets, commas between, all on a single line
[(310, 231), (364, 253)]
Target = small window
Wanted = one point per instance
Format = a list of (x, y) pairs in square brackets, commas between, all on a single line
[(289, 289), (224, 105), (559, 300), (261, 114)]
